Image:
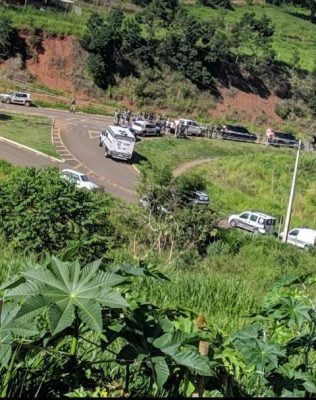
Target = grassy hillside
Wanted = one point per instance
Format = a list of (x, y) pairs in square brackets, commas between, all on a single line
[(243, 175), (293, 33)]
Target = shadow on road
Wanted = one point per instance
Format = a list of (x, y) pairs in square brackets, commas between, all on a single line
[(5, 117)]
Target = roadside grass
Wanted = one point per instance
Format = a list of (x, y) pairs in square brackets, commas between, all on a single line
[(262, 182), (293, 33), (29, 130), (174, 151), (229, 282)]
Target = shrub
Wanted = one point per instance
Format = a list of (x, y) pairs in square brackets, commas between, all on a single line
[(41, 212)]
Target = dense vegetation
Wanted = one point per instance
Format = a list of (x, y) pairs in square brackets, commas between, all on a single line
[(114, 327)]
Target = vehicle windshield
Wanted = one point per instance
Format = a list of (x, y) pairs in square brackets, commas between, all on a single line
[(84, 178), (285, 136), (239, 129)]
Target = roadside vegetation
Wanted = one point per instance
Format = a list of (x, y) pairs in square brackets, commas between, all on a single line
[(130, 323), (29, 130)]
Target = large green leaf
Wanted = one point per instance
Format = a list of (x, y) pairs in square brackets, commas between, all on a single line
[(90, 314), (32, 306), (190, 358), (261, 354), (111, 299), (161, 370), (10, 328), (293, 310), (24, 290), (64, 287), (59, 319)]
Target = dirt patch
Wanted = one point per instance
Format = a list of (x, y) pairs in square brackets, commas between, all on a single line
[(240, 105), (190, 164), (54, 66)]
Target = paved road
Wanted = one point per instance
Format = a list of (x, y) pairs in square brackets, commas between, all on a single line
[(80, 149)]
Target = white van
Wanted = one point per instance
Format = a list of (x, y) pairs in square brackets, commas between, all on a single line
[(253, 221), (301, 237), (144, 128), (118, 142)]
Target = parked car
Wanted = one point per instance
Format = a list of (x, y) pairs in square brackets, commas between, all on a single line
[(197, 197), (78, 178), (17, 98), (144, 128), (236, 132), (253, 221), (279, 139), (301, 237), (192, 128)]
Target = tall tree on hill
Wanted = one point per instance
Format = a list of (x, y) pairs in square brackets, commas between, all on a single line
[(103, 40)]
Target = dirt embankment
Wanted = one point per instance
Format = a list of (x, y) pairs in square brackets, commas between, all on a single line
[(59, 64)]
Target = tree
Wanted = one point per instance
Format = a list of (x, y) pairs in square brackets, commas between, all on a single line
[(103, 40), (7, 38)]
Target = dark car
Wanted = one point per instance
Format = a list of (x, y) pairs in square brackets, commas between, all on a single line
[(283, 139), (237, 132)]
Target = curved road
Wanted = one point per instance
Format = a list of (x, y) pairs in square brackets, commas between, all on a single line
[(77, 142)]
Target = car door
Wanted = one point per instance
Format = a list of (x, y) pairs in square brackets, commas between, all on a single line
[(18, 98), (293, 237), (253, 222), (243, 220)]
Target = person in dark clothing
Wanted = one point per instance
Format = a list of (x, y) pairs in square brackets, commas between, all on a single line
[(73, 103)]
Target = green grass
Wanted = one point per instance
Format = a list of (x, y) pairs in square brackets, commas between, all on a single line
[(32, 131), (177, 151), (262, 181), (51, 21), (229, 282), (293, 34)]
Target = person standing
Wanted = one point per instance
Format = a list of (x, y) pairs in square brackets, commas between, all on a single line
[(73, 103)]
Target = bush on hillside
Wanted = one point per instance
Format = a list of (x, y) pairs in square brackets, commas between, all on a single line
[(41, 212)]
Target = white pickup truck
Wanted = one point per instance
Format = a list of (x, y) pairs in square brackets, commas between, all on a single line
[(118, 142)]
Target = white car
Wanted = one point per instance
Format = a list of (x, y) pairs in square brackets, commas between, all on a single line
[(193, 127), (253, 221), (301, 237), (79, 179), (17, 98), (144, 128)]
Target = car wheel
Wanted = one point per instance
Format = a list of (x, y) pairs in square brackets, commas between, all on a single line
[(255, 231), (307, 247), (27, 104), (106, 153), (100, 144), (7, 101), (233, 223)]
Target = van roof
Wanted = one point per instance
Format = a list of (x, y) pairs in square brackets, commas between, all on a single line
[(260, 214), (306, 230), (119, 130)]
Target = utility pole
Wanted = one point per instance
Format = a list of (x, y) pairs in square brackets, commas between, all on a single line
[(291, 199)]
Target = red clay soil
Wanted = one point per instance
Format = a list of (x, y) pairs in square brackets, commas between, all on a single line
[(247, 104), (54, 65)]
